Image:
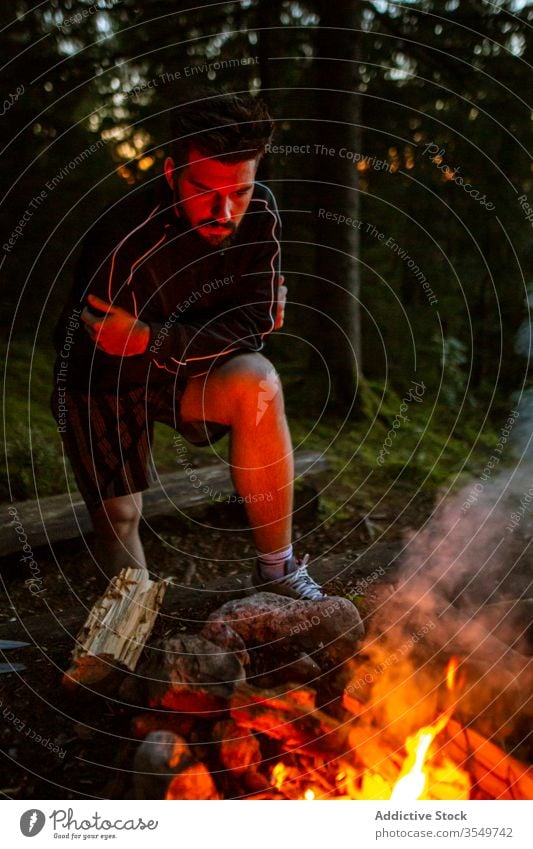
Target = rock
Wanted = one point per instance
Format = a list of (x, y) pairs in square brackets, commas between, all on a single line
[(333, 624), (157, 759), (165, 769), (226, 638), (189, 674), (301, 670)]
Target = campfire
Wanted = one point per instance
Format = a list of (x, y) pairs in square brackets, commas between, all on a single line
[(245, 708), (426, 773)]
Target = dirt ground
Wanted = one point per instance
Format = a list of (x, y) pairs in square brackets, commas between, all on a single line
[(58, 747)]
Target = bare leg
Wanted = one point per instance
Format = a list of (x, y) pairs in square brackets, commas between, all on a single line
[(245, 393), (116, 528)]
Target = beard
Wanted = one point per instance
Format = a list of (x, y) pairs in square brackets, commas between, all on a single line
[(219, 237), (215, 235), (202, 232)]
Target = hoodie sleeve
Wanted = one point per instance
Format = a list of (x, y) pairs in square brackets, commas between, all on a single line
[(108, 257), (191, 348)]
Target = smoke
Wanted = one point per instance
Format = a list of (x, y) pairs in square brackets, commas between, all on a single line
[(464, 589)]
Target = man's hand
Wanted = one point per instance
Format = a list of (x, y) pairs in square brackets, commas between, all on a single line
[(117, 332), (282, 300)]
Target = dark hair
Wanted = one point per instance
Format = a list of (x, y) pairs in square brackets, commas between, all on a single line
[(227, 126)]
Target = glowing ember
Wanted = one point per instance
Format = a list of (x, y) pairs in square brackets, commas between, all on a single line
[(279, 774), (309, 795)]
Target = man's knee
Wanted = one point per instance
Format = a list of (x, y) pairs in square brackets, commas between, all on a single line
[(118, 517), (231, 390), (251, 378)]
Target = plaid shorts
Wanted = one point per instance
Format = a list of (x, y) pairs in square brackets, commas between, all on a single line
[(108, 436)]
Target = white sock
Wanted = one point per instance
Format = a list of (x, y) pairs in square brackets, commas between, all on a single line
[(272, 565)]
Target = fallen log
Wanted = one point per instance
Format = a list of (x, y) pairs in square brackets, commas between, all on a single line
[(61, 517), (116, 629)]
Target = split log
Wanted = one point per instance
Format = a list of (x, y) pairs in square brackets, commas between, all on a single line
[(116, 629), (496, 774), (290, 717)]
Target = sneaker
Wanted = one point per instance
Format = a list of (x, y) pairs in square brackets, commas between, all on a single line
[(296, 582)]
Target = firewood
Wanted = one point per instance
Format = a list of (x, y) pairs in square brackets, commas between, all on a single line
[(352, 704), (239, 749), (150, 721), (498, 775), (116, 629), (290, 717)]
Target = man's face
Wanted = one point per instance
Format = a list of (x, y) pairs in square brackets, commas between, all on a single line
[(213, 195)]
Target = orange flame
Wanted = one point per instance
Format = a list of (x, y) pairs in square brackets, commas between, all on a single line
[(424, 775), (413, 778), (453, 682), (412, 784), (451, 672)]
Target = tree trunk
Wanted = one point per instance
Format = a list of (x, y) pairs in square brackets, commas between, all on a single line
[(338, 137), (268, 17)]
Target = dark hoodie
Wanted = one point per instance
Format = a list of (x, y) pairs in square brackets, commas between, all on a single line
[(203, 303)]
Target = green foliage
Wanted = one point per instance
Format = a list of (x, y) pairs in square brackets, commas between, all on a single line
[(31, 468), (431, 449)]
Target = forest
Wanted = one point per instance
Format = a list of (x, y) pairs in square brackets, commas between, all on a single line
[(400, 165)]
